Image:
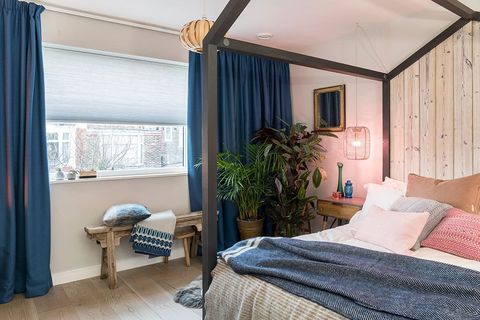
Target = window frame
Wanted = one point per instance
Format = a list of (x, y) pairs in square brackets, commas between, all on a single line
[(131, 173)]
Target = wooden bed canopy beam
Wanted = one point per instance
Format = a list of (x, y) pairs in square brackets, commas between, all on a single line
[(458, 8), (299, 59), (457, 25), (225, 21)]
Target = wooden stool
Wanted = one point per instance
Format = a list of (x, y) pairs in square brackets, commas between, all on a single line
[(187, 236), (108, 238)]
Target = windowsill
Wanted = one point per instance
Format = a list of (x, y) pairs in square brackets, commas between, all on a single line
[(126, 177)]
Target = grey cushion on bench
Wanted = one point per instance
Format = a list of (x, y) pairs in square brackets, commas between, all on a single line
[(125, 214)]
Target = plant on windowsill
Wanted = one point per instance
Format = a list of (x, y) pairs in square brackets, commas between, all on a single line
[(246, 181), (297, 151)]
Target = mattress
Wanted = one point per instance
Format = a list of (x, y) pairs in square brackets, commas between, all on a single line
[(232, 296)]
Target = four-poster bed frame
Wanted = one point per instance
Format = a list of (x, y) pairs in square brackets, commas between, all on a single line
[(215, 40)]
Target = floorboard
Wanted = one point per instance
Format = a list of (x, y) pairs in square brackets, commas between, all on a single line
[(143, 294)]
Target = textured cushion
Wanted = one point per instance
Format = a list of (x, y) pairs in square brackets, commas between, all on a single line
[(125, 214), (458, 234), (381, 196), (462, 193), (395, 231), (436, 209)]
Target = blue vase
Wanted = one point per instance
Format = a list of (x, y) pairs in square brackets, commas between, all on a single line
[(348, 189)]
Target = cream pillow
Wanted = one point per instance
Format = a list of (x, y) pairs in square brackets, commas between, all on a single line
[(395, 231), (397, 184), (381, 196)]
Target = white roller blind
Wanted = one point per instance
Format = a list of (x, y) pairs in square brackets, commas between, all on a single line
[(92, 87)]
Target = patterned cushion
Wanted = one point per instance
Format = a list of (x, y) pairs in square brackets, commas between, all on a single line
[(436, 209), (125, 214), (458, 234)]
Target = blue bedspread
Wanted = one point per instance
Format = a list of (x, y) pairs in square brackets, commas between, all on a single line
[(359, 283)]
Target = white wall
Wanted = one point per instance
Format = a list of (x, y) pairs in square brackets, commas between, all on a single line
[(305, 80), (82, 203)]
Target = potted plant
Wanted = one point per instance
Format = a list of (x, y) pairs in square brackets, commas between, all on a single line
[(297, 153), (246, 182)]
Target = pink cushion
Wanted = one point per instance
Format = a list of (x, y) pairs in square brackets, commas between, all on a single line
[(458, 233), (395, 231)]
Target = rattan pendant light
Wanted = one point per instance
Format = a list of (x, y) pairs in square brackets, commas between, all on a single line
[(357, 138), (193, 32)]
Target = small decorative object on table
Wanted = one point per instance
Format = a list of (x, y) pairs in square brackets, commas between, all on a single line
[(348, 189), (340, 180), (336, 195), (59, 175)]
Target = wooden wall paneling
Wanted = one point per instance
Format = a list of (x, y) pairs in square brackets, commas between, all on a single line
[(411, 104), (444, 109), (463, 102), (427, 115), (397, 136), (476, 96)]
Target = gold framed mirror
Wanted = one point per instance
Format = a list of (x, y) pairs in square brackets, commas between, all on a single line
[(329, 108)]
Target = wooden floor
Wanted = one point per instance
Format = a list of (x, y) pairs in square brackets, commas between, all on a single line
[(143, 293)]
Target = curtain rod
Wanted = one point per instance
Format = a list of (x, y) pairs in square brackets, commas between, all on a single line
[(101, 17)]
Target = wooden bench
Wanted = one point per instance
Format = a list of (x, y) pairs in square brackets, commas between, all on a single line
[(109, 237)]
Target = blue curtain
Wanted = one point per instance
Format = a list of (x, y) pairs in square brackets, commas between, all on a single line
[(252, 93), (24, 186)]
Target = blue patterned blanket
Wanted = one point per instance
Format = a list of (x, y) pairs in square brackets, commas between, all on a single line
[(152, 242), (359, 283)]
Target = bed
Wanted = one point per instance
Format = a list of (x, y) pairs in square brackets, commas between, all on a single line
[(234, 296)]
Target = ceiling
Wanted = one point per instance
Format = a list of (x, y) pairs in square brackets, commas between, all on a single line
[(326, 28)]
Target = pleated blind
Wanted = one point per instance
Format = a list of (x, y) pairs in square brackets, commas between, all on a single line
[(93, 87)]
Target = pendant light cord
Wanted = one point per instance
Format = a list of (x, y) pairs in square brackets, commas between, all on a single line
[(372, 48), (204, 9), (356, 78)]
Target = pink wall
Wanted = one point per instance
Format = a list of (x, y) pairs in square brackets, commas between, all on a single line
[(303, 82)]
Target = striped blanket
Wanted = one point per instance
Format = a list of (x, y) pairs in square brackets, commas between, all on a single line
[(359, 283), (154, 236)]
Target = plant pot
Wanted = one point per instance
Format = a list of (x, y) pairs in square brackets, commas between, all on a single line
[(250, 229)]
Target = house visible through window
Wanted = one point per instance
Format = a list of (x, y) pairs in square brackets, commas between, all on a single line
[(114, 114)]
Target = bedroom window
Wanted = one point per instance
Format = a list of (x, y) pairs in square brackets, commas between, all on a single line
[(116, 114)]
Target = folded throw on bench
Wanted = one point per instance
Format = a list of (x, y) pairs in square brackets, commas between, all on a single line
[(154, 236)]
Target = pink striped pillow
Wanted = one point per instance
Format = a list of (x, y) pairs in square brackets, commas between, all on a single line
[(458, 233)]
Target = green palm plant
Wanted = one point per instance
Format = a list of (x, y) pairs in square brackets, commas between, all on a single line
[(246, 180)]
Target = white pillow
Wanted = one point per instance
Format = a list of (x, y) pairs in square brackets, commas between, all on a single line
[(397, 184), (381, 196), (395, 231)]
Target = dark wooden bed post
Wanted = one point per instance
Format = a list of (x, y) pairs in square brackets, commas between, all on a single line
[(215, 40), (386, 126), (210, 136)]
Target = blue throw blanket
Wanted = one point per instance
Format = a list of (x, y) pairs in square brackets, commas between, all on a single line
[(152, 242), (359, 283)]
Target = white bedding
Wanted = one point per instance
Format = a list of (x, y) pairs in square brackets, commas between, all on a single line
[(345, 234)]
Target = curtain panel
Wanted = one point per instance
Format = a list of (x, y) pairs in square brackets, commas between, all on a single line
[(253, 93), (24, 186)]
